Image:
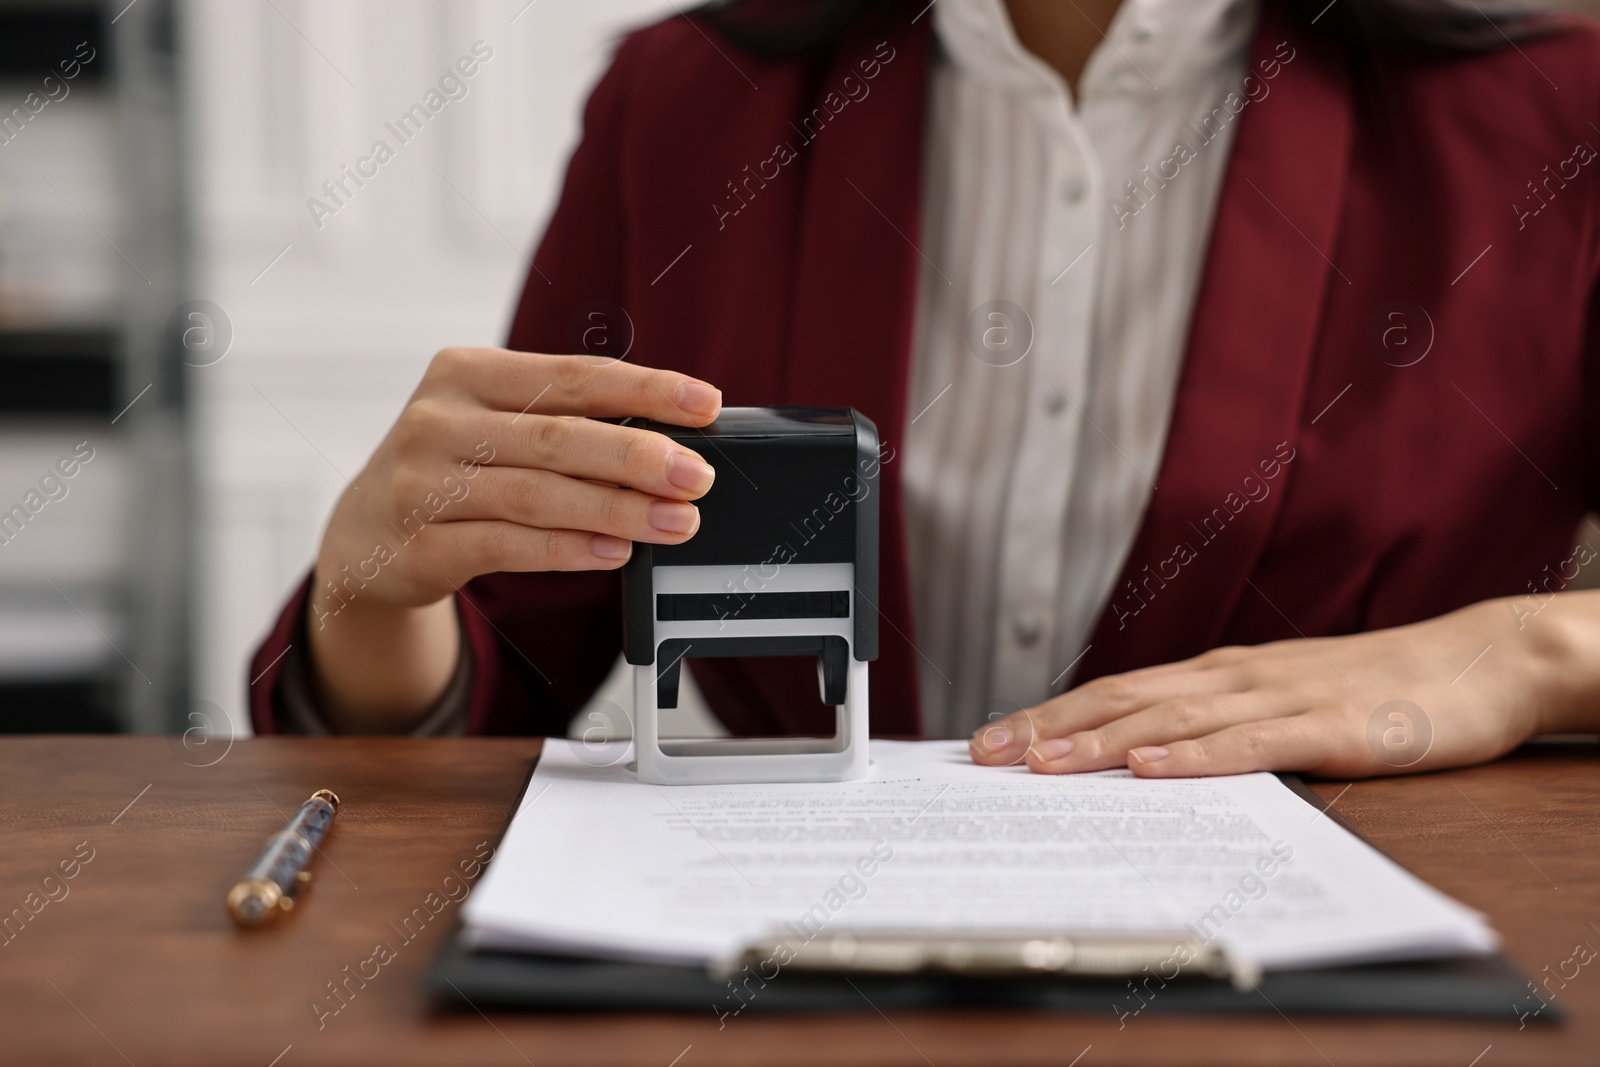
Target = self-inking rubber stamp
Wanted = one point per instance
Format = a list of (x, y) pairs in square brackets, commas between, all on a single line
[(785, 563)]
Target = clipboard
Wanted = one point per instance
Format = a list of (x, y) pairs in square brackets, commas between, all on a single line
[(1463, 987)]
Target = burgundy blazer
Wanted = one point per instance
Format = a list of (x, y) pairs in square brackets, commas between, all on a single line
[(1386, 409)]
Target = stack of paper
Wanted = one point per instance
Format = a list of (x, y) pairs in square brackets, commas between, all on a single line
[(597, 863)]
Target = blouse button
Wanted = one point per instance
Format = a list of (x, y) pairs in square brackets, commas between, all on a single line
[(1027, 626)]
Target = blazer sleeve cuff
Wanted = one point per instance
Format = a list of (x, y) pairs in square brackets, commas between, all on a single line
[(283, 696)]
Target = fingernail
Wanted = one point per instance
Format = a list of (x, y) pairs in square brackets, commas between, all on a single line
[(669, 516), (607, 547), (698, 398), (1148, 754), (992, 739), (1054, 748), (690, 473)]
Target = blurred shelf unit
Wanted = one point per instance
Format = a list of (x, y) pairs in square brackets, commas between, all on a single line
[(61, 373), (93, 574), (33, 34), (63, 593)]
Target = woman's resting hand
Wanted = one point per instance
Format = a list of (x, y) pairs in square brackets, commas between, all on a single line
[(1458, 689)]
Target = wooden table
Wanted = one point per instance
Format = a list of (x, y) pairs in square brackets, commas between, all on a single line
[(137, 962)]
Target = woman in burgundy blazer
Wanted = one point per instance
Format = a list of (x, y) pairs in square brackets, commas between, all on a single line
[(1454, 198)]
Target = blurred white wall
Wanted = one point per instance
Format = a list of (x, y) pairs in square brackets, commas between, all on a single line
[(332, 326)]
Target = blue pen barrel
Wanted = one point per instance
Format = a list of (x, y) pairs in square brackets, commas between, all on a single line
[(272, 882)]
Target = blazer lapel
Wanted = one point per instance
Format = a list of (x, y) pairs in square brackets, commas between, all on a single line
[(1240, 397), (855, 292)]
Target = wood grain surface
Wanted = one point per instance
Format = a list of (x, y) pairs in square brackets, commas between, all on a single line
[(132, 960)]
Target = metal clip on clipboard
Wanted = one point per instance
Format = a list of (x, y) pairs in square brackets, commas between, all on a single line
[(1089, 955)]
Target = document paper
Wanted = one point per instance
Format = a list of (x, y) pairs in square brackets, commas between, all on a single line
[(599, 864)]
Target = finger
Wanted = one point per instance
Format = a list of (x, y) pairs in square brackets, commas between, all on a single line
[(1160, 724), (579, 448), (484, 547), (532, 382), (1094, 704), (546, 500), (1004, 743), (1302, 742)]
